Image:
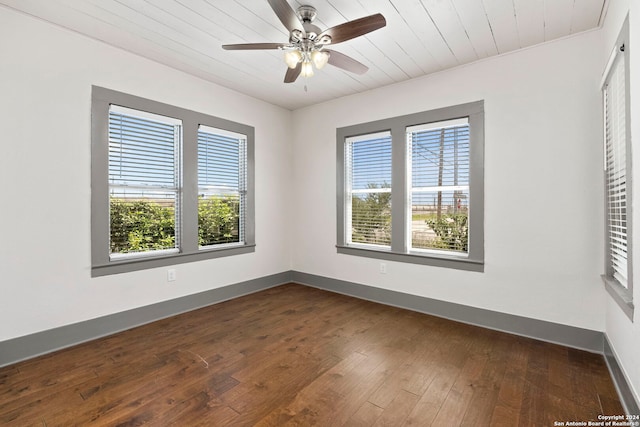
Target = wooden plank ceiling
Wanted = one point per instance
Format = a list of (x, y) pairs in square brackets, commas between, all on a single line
[(421, 37)]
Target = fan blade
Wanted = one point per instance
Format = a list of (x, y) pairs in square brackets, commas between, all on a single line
[(353, 29), (292, 73), (286, 15), (253, 46), (345, 62)]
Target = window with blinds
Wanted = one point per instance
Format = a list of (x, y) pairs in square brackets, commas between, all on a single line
[(616, 174), (144, 182), (368, 189), (168, 185), (438, 165), (433, 212), (222, 178)]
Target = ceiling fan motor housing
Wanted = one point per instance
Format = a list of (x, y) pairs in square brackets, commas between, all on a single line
[(307, 13)]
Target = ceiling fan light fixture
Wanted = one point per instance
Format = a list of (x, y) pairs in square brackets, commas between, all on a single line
[(292, 57), (320, 58), (306, 47), (307, 69)]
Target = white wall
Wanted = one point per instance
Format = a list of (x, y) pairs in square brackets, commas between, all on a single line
[(624, 335), (46, 75), (543, 184)]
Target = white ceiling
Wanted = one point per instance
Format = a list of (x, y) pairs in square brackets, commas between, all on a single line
[(421, 37)]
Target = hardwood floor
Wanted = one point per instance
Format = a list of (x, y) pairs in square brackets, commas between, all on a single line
[(294, 355)]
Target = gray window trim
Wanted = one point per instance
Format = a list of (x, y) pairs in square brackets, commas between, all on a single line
[(397, 126), (101, 265), (621, 295)]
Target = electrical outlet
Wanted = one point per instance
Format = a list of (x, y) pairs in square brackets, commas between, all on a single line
[(171, 275), (383, 268)]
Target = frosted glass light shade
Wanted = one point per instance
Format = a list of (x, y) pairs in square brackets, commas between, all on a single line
[(320, 58), (307, 69), (292, 57)]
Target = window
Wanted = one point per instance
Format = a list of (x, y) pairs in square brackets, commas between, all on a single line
[(144, 183), (410, 188), (439, 177), (617, 167), (369, 189), (616, 171), (169, 185), (222, 165)]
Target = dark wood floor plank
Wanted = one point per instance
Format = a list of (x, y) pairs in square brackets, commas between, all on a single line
[(427, 408), (512, 384), (346, 382), (337, 395), (36, 386), (366, 416), (397, 410), (294, 355), (535, 394), (396, 376), (459, 397), (158, 392), (492, 354), (317, 399), (386, 362), (276, 385)]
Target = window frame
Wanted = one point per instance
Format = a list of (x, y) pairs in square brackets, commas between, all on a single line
[(189, 251), (474, 259), (623, 296)]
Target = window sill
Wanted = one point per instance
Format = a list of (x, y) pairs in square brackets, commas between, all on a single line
[(454, 262), (143, 263), (620, 295)]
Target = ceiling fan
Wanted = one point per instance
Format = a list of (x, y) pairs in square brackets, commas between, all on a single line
[(307, 43)]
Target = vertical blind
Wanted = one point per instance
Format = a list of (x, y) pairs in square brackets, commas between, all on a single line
[(144, 181), (439, 179), (368, 189), (222, 175), (616, 170)]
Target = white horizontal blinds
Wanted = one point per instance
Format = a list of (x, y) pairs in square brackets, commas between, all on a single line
[(222, 180), (616, 171), (144, 182), (438, 156), (368, 192)]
